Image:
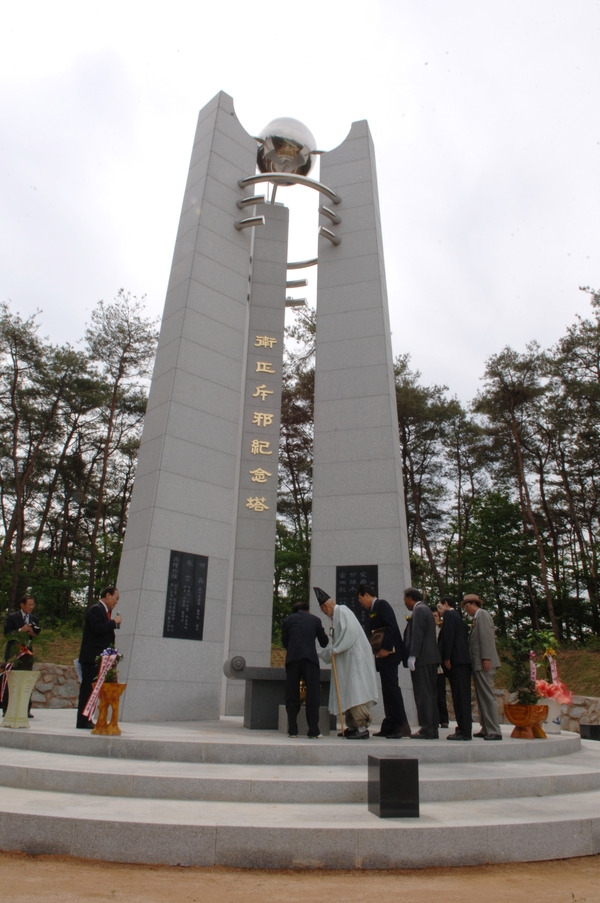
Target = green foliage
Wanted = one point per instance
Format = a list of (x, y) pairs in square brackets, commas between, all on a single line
[(516, 652), (70, 424), (499, 559), (294, 500), (501, 498), (516, 657), (112, 675), (18, 649), (425, 417)]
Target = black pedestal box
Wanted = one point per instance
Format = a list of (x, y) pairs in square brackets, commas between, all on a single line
[(393, 790)]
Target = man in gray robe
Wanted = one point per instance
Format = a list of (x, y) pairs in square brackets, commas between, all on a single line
[(354, 667)]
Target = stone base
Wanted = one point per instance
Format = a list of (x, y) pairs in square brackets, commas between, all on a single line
[(295, 804), (327, 722), (20, 685), (265, 692), (393, 789)]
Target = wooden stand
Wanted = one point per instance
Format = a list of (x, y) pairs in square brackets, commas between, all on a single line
[(527, 719), (110, 695)]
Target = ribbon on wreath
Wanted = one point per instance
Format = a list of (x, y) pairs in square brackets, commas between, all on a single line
[(553, 668), (105, 666), (5, 673), (555, 690), (532, 668)]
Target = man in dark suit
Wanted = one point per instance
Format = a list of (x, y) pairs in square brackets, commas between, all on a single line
[(26, 623), (98, 635), (387, 660), (298, 635), (423, 660), (456, 660)]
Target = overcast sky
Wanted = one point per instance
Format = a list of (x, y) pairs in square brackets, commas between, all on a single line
[(485, 118)]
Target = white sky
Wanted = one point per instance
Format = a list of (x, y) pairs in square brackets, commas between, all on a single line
[(485, 118)]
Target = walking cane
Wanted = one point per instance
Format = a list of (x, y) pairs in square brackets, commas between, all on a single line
[(337, 687), (323, 598)]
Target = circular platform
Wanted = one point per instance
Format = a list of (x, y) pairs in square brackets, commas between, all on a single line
[(215, 793)]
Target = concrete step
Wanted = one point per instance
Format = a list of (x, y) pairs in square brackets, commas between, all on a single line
[(228, 742), (271, 835), (138, 778), (217, 794)]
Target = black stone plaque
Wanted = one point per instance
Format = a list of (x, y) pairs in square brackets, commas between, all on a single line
[(347, 581), (186, 596), (393, 789)]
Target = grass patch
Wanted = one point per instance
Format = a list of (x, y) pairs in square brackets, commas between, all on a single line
[(579, 670), (57, 646)]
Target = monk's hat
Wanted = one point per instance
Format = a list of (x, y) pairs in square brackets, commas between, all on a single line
[(322, 596)]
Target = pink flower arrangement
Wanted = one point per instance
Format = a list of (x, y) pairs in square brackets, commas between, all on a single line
[(555, 690)]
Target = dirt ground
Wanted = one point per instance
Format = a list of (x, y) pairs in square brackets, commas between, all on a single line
[(63, 880)]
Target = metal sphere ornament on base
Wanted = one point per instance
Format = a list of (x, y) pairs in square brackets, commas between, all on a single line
[(286, 145)]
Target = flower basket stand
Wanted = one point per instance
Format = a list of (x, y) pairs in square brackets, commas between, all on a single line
[(20, 688), (110, 694), (527, 720)]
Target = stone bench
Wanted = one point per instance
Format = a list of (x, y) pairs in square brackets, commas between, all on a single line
[(265, 692)]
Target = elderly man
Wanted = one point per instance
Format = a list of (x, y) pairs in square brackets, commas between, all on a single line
[(423, 660), (484, 661), (354, 668)]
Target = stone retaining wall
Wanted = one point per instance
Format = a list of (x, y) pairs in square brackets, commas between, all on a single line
[(583, 710), (58, 688)]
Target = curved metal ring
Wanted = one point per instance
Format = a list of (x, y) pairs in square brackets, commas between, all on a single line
[(284, 178), (301, 264)]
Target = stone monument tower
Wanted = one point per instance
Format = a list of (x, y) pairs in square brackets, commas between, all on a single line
[(196, 576)]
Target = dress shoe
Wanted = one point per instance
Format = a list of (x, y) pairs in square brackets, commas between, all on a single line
[(29, 715), (314, 736), (421, 736), (360, 733), (405, 730), (381, 734), (457, 737), (396, 735), (293, 736), (444, 724), (493, 737), (85, 725), (480, 734)]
